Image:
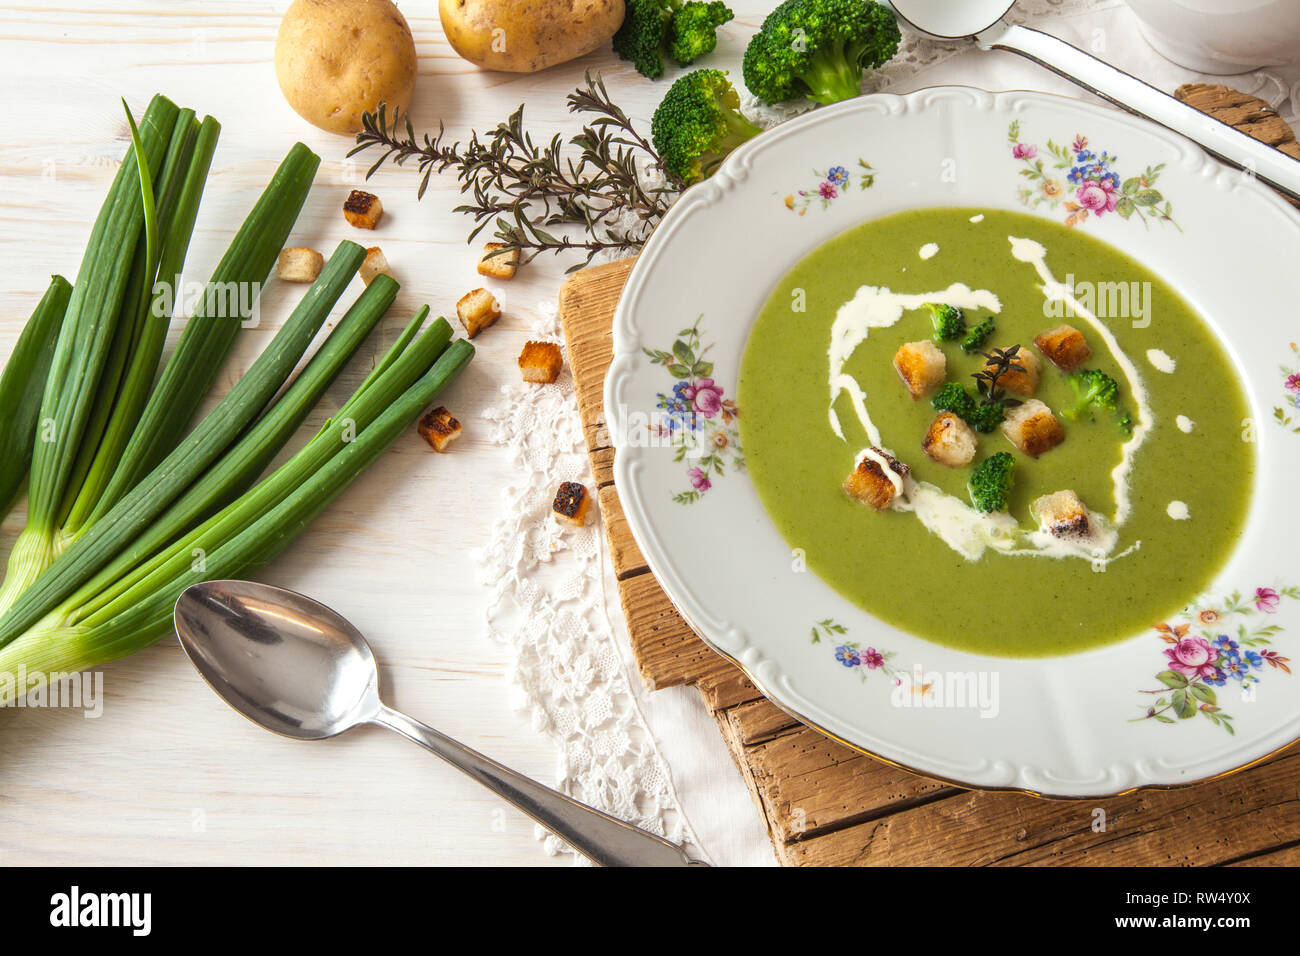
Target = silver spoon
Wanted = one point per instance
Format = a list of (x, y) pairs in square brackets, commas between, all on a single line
[(983, 21), (296, 667)]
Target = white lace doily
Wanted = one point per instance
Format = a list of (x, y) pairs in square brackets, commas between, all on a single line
[(550, 609)]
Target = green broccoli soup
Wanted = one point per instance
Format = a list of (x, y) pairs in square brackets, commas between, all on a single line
[(995, 432)]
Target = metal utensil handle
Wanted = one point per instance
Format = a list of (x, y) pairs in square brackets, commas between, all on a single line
[(1129, 93), (604, 839)]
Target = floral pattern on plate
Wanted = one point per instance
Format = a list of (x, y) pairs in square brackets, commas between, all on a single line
[(1086, 183), (694, 417), (835, 182), (1288, 414), (862, 660), (1207, 654)]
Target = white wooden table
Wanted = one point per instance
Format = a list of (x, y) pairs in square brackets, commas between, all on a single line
[(169, 774)]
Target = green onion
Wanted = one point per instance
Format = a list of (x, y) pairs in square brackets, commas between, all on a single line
[(121, 485), (245, 461), (132, 318), (211, 331), (83, 350), (99, 541), (21, 386), (193, 146), (246, 535)]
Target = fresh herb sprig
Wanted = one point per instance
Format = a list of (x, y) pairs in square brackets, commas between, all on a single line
[(608, 179), (999, 363)]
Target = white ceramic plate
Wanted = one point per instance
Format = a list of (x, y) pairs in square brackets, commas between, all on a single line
[(1064, 726)]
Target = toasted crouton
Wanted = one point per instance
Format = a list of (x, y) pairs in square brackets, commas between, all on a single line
[(869, 484), (1061, 514), (299, 265), (540, 362), (921, 365), (362, 209), (571, 504), (1065, 346), (950, 441), (439, 429), (1021, 383), (477, 310), (375, 263), (1033, 428), (501, 266)]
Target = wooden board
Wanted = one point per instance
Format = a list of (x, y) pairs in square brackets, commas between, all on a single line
[(825, 804)]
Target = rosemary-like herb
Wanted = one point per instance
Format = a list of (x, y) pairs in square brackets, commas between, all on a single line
[(608, 179), (1000, 361)]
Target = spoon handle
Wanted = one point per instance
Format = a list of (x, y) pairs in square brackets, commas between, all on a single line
[(606, 840), (1128, 92)]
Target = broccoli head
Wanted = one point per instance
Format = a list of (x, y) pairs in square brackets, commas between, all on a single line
[(697, 123), (683, 30), (1125, 421), (991, 481), (987, 416), (949, 322), (818, 49), (983, 417), (694, 29), (977, 336), (953, 398), (1094, 390)]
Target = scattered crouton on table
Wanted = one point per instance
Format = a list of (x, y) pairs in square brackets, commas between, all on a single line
[(571, 504), (374, 264), (540, 362), (299, 265), (950, 441), (921, 365), (1033, 428), (1061, 514), (1065, 346), (503, 265), (439, 428), (363, 209), (1017, 382), (869, 484), (477, 310)]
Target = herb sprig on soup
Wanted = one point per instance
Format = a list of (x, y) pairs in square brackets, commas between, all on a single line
[(987, 444)]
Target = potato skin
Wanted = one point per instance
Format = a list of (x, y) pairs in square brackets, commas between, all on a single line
[(537, 33), (337, 58)]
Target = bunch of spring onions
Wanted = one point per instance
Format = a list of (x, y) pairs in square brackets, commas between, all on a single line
[(129, 500)]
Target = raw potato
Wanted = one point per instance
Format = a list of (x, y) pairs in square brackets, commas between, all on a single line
[(338, 58), (524, 36)]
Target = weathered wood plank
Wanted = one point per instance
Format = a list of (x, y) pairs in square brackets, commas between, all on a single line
[(623, 550), (667, 651), (1215, 822), (810, 784)]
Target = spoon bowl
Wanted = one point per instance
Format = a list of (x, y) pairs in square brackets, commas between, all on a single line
[(298, 668), (948, 20), (284, 661)]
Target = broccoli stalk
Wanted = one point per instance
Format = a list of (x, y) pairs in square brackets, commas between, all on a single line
[(697, 123), (991, 481), (1093, 390), (683, 30), (818, 49), (949, 322)]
